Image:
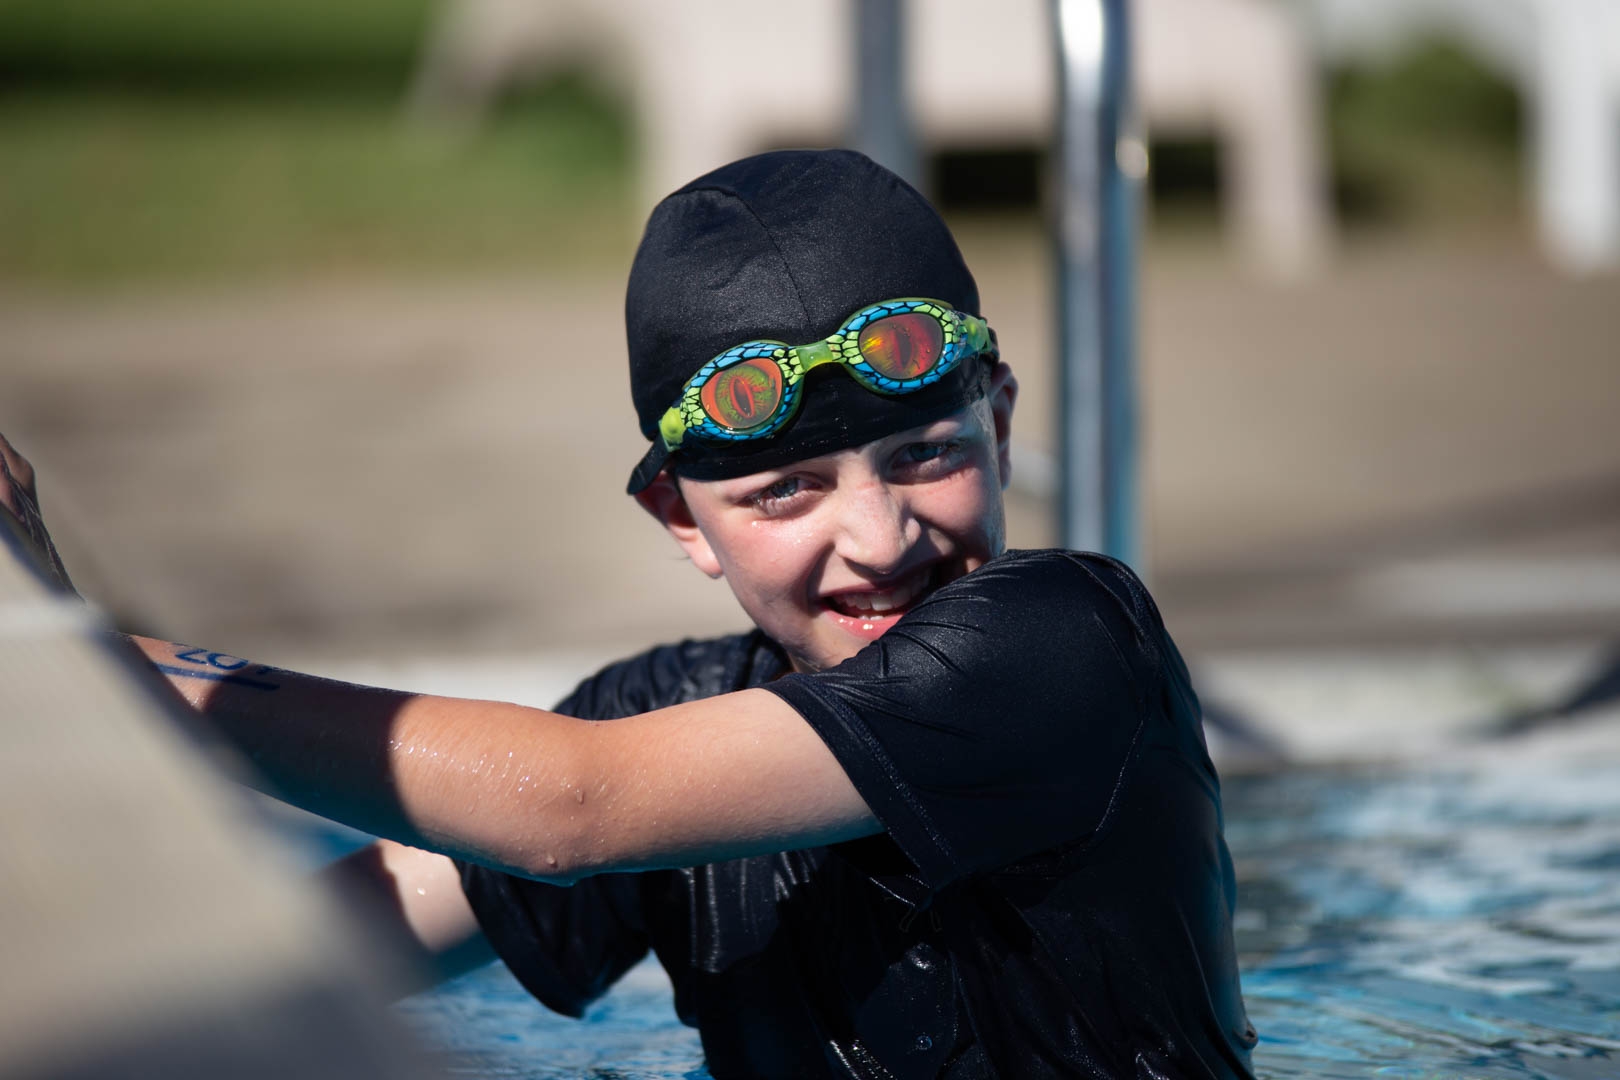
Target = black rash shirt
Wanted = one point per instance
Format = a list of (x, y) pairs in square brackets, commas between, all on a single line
[(1051, 897)]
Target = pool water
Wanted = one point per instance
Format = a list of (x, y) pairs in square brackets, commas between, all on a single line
[(1433, 922), (1400, 921), (486, 1025)]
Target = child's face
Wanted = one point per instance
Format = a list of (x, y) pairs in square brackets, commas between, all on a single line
[(826, 554)]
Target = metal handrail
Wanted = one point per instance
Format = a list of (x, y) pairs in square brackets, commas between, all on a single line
[(1100, 162)]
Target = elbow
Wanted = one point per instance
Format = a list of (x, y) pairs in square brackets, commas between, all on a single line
[(548, 873), (552, 859), (569, 845), (553, 825)]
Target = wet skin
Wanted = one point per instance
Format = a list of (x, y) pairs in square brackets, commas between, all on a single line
[(826, 554)]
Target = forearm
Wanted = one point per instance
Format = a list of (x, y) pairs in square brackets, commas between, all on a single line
[(480, 780), (413, 900)]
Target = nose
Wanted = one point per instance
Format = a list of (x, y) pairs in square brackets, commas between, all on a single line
[(876, 527)]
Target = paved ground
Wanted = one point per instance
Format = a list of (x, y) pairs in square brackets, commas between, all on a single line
[(1421, 445)]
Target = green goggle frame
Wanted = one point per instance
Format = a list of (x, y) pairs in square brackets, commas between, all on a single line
[(752, 390)]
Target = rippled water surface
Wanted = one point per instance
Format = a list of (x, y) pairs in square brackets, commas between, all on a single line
[(1438, 922), (488, 1026), (1456, 921)]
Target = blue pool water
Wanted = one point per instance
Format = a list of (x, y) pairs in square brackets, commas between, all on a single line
[(1410, 922), (1426, 923)]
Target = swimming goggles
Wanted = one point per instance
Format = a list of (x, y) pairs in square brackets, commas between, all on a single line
[(752, 390)]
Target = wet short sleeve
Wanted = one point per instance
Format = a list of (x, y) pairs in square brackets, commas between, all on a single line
[(999, 718)]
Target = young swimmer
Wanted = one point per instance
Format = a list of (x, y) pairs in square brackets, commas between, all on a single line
[(947, 810)]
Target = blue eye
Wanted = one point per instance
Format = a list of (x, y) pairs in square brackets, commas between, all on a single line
[(924, 452), (783, 489), (922, 461), (776, 495)]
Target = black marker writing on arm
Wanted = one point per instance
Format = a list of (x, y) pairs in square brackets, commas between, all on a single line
[(313, 742)]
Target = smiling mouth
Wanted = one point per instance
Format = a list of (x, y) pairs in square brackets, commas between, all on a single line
[(889, 603)]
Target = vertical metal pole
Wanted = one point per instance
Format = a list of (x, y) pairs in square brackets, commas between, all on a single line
[(881, 128), (1100, 162)]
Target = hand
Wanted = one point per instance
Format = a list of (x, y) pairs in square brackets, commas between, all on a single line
[(18, 497)]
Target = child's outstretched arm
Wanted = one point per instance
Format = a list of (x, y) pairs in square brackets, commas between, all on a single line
[(523, 790)]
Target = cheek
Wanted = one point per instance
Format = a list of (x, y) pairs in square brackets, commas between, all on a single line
[(969, 509), (769, 564)]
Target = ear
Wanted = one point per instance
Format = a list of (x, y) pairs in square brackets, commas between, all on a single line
[(664, 500), (1003, 395)]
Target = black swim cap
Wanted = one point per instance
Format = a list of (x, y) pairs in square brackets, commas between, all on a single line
[(785, 247)]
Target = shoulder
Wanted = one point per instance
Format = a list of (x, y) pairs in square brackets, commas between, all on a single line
[(999, 717), (669, 675), (1068, 572), (1028, 632), (1018, 643), (1039, 599)]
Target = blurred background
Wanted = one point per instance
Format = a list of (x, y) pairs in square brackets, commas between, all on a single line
[(310, 318)]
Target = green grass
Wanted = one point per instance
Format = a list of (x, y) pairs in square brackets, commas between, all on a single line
[(178, 139), (1431, 138), (103, 186), (213, 43), (190, 138)]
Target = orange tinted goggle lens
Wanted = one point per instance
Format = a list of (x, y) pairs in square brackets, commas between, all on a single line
[(745, 395), (902, 346)]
